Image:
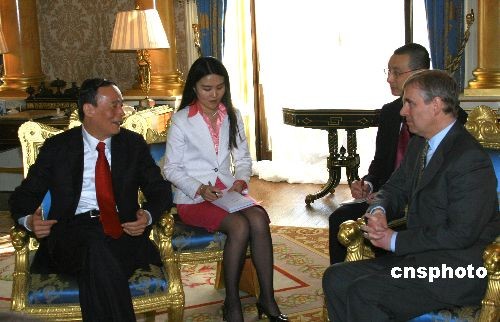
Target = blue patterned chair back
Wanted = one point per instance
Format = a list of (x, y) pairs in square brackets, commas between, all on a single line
[(495, 158)]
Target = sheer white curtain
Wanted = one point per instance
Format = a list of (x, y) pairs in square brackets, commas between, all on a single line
[(237, 57), (191, 18), (321, 54)]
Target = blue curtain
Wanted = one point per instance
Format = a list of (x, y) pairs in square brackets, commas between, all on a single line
[(211, 15), (445, 21)]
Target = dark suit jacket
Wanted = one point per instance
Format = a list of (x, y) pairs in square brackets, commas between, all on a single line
[(59, 169), (452, 212), (382, 165)]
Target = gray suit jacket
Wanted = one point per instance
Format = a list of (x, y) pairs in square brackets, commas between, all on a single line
[(452, 211)]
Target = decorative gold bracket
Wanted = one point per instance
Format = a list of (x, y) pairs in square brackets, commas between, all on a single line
[(453, 63)]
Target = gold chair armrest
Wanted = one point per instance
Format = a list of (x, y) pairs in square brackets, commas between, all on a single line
[(490, 305), (351, 236), (162, 234), (20, 240)]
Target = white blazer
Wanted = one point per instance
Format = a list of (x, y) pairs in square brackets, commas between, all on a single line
[(190, 158)]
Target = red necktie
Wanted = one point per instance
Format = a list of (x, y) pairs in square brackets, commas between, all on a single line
[(404, 137), (105, 197)]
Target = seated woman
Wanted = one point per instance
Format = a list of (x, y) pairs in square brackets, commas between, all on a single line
[(205, 140)]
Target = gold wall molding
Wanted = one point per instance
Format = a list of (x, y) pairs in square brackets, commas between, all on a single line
[(22, 62)]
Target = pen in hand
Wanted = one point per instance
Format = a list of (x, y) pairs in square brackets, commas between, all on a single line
[(215, 192)]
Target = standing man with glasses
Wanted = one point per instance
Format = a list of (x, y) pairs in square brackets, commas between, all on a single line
[(391, 143), (447, 182), (95, 229)]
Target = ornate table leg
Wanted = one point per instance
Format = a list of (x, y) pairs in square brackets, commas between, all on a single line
[(352, 163), (333, 168)]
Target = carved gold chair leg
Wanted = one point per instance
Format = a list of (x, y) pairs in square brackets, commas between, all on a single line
[(490, 305), (176, 313), (20, 241)]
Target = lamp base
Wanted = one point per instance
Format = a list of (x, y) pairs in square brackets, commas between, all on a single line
[(146, 103)]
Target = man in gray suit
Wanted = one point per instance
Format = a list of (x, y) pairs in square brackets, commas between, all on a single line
[(448, 183)]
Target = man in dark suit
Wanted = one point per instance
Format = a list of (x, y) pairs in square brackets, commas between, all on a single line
[(75, 238), (405, 61), (448, 183)]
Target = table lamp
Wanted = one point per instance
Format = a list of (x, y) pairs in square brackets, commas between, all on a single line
[(140, 30)]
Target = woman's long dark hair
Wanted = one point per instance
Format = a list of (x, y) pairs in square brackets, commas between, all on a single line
[(202, 67)]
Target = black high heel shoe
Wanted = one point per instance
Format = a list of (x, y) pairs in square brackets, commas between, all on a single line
[(276, 318)]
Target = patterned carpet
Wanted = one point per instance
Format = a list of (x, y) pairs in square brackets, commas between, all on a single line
[(301, 256)]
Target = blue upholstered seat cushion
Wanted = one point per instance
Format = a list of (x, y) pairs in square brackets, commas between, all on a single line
[(461, 314), (495, 158), (190, 238), (63, 289)]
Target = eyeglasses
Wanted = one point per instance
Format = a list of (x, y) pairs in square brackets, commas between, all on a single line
[(396, 74)]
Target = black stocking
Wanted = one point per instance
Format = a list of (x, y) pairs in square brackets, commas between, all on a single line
[(262, 256), (236, 228)]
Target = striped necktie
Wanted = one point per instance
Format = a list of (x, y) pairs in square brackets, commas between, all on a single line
[(423, 160)]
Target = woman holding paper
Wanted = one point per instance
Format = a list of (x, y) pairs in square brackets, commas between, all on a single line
[(206, 159)]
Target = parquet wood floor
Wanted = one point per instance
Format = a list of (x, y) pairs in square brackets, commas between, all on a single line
[(286, 206)]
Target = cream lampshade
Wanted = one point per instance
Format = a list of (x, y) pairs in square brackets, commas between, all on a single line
[(140, 30)]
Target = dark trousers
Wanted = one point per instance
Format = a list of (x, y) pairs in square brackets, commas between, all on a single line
[(102, 266), (366, 291)]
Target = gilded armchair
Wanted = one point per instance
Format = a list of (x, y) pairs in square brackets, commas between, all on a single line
[(54, 297), (483, 124)]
